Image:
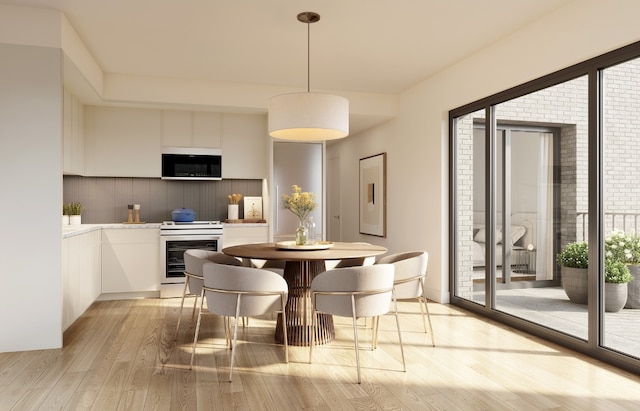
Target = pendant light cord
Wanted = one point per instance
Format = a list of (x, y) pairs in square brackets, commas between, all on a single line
[(308, 57)]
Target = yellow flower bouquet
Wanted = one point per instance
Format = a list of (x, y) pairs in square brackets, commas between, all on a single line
[(300, 203)]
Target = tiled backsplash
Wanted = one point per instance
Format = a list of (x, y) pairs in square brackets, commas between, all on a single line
[(105, 199)]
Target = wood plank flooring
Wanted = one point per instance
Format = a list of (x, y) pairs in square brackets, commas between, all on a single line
[(121, 355)]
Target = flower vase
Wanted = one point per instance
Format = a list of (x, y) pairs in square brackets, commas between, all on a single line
[(301, 234)]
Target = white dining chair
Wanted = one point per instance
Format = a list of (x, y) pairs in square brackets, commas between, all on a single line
[(351, 262), (194, 260), (238, 292), (365, 291), (410, 273), (277, 266)]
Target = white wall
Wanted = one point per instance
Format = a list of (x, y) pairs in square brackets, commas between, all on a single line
[(416, 141), (30, 186)]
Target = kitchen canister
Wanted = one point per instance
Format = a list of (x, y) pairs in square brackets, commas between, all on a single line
[(232, 212)]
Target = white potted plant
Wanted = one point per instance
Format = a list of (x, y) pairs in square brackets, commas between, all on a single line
[(66, 211), (75, 213)]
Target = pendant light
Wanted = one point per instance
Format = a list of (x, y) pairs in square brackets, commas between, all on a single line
[(307, 116)]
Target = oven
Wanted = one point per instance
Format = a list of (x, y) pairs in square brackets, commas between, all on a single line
[(175, 239)]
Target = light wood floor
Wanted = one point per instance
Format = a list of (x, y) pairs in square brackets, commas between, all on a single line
[(121, 355)]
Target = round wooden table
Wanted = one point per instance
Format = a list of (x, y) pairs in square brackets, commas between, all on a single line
[(300, 268)]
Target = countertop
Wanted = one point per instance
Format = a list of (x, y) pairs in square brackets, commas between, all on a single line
[(73, 230), (236, 225)]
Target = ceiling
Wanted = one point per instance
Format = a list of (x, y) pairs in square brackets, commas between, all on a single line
[(369, 46)]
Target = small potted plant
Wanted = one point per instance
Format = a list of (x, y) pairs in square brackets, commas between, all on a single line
[(574, 261), (625, 248), (616, 277), (75, 213), (66, 211)]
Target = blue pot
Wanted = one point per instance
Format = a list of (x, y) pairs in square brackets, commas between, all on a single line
[(183, 215)]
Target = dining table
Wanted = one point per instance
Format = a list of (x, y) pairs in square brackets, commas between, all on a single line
[(302, 264)]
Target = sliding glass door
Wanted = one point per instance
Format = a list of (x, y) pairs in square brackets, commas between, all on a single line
[(621, 202), (534, 187), (545, 167)]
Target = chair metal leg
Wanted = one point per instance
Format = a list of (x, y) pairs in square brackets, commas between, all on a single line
[(227, 333), (355, 334), (395, 303), (195, 303), (195, 337), (184, 291), (235, 334), (313, 329), (426, 307), (284, 330), (375, 323)]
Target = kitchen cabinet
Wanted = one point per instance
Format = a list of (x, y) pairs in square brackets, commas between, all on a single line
[(73, 134), (235, 234), (130, 260), (122, 142), (191, 129), (244, 146), (81, 274), (127, 142)]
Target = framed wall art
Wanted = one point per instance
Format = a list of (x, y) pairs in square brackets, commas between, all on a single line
[(253, 208), (373, 195)]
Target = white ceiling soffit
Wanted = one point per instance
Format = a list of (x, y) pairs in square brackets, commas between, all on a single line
[(358, 46)]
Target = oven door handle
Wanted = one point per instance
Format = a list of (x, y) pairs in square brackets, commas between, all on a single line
[(190, 237)]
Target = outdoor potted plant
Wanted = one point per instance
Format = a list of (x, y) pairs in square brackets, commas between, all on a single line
[(626, 249), (574, 261), (616, 277), (75, 213)]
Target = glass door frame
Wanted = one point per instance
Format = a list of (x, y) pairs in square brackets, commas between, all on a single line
[(593, 70)]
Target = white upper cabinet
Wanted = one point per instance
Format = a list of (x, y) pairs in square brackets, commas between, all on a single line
[(176, 128), (207, 130), (191, 129), (122, 142), (73, 133), (244, 146), (127, 142)]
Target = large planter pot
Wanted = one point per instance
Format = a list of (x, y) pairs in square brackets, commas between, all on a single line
[(633, 288), (615, 296), (574, 283)]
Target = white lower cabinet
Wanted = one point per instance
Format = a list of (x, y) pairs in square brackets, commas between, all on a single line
[(81, 274), (235, 234), (130, 260)]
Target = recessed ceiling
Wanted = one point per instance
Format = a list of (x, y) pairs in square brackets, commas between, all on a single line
[(371, 46)]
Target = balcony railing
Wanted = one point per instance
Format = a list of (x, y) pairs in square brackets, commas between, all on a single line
[(627, 222)]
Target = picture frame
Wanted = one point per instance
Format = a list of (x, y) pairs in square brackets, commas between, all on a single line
[(253, 208), (373, 195)]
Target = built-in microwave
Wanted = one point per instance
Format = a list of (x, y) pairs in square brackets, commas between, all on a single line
[(182, 163)]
